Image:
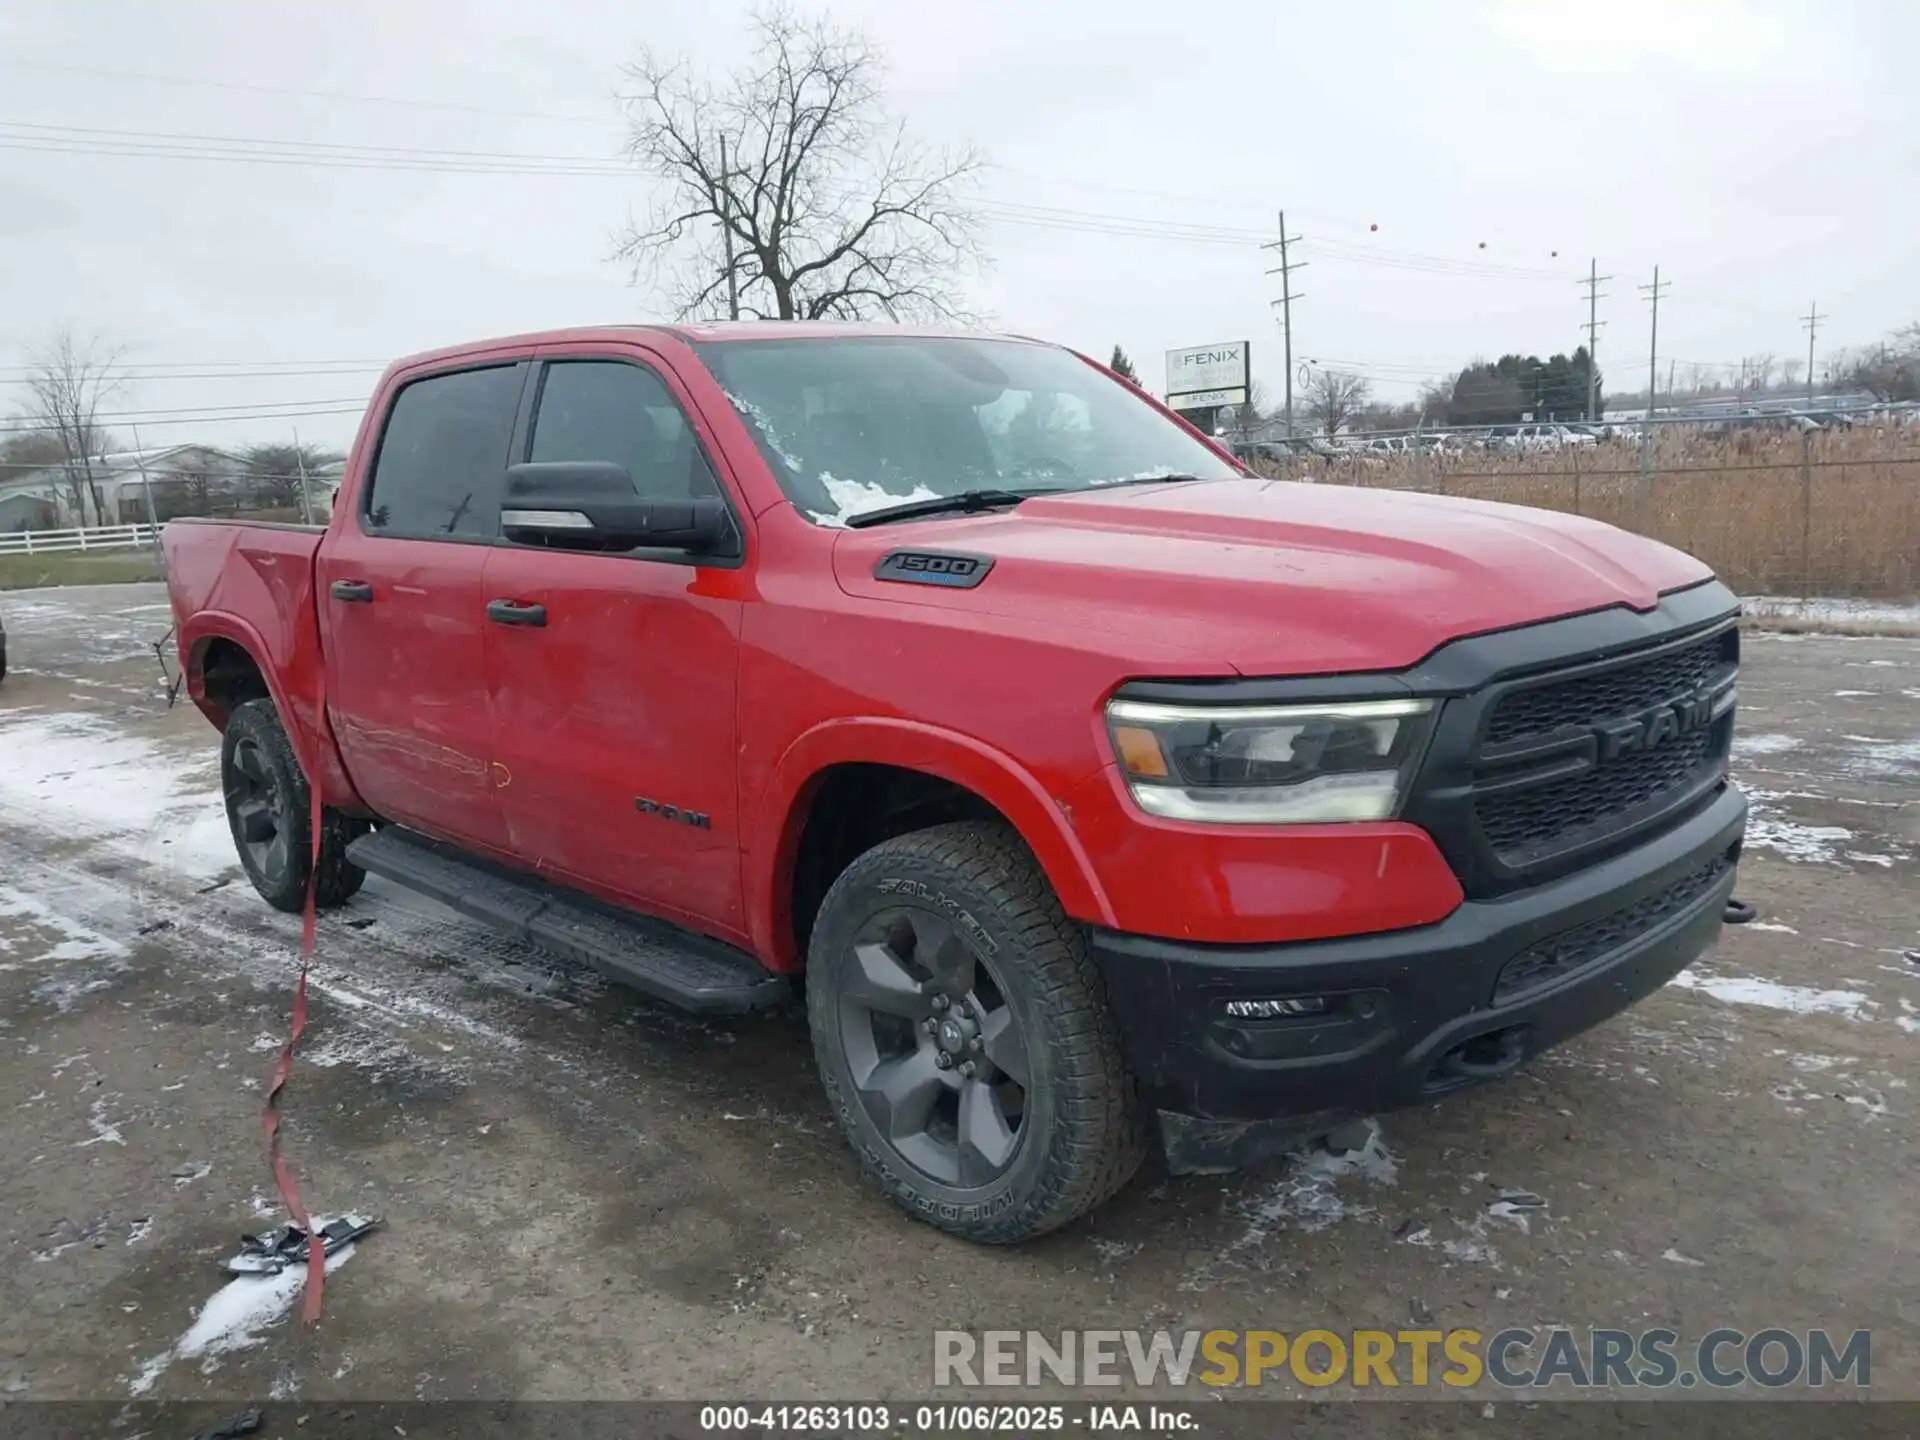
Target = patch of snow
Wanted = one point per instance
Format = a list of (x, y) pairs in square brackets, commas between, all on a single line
[(1678, 1259), (1828, 611), (236, 1314), (139, 1229), (1772, 995), (1853, 694), (1114, 1251), (1863, 858), (1801, 844), (856, 497), (1764, 744), (105, 1132), (83, 774), (1768, 925), (763, 422)]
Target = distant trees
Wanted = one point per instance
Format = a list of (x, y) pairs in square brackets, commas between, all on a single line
[(1514, 386), (67, 381), (1122, 366), (1241, 421), (276, 470), (788, 191), (1888, 371), (1334, 398)]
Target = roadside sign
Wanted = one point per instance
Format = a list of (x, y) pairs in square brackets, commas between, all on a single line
[(1203, 377)]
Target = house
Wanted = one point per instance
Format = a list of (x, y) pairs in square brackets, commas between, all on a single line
[(184, 479)]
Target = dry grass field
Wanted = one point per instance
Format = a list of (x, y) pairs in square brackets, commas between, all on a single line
[(1835, 512)]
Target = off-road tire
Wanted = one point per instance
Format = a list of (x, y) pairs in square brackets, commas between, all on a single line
[(336, 878), (1084, 1132)]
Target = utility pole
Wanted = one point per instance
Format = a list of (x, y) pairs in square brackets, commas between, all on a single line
[(1594, 322), (1811, 320), (726, 231), (1288, 295), (300, 468), (1653, 293)]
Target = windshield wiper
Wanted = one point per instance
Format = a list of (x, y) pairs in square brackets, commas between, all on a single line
[(967, 502)]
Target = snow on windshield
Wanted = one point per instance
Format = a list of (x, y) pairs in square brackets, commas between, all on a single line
[(767, 431), (856, 497)]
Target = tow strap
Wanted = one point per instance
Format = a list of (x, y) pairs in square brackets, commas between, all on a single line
[(283, 1177)]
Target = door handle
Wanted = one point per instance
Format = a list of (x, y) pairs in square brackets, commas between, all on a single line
[(512, 612), (358, 591)]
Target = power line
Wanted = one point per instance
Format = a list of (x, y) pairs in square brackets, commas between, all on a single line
[(1288, 295), (1810, 322), (1653, 293), (356, 97), (1594, 322)]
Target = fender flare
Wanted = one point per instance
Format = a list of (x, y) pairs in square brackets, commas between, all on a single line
[(307, 726), (773, 838)]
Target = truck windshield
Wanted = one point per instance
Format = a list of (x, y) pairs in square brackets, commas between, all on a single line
[(862, 423)]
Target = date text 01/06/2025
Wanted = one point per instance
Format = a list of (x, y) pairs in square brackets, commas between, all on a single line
[(945, 1419)]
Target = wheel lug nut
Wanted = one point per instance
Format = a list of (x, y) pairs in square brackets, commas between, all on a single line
[(943, 1060), (940, 1002), (976, 1044), (967, 1068)]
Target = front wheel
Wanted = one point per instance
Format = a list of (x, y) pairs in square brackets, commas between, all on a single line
[(965, 1040), (267, 809)]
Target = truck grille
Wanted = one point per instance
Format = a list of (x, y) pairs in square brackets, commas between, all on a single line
[(1611, 693), (1566, 811), (1560, 956), (1592, 784)]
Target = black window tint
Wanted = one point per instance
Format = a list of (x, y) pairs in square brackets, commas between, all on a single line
[(622, 414), (444, 456)]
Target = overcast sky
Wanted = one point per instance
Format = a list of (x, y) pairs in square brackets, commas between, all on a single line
[(1765, 153)]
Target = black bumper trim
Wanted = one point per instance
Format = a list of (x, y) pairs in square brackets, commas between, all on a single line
[(1408, 1015)]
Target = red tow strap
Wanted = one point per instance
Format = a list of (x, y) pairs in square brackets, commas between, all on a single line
[(270, 1115)]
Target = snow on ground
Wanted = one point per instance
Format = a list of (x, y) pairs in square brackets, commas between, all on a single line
[(236, 1314), (83, 774), (1893, 615), (1772, 995)]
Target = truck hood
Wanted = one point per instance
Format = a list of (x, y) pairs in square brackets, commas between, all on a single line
[(1274, 577)]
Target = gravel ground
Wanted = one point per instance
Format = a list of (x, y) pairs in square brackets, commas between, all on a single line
[(586, 1196)]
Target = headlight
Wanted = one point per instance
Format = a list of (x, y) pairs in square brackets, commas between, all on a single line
[(1270, 764)]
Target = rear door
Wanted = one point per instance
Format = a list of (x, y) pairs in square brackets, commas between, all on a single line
[(403, 615), (614, 715)]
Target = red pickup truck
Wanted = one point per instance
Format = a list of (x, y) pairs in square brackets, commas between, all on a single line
[(1096, 793)]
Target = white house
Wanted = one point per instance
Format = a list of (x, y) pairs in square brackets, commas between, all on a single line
[(184, 478)]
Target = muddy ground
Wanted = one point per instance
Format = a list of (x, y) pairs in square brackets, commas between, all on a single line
[(584, 1195)]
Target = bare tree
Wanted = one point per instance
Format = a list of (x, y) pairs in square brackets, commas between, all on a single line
[(789, 192), (1756, 373), (1790, 372), (1242, 420), (66, 383), (1334, 397)]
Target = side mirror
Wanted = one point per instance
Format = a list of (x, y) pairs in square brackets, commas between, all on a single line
[(591, 505)]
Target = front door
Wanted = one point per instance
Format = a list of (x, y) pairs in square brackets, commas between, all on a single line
[(614, 717), (402, 609)]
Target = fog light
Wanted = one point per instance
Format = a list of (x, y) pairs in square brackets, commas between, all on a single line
[(1274, 1009)]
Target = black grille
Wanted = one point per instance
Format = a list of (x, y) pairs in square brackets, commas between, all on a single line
[(1571, 951), (1562, 813), (1624, 690)]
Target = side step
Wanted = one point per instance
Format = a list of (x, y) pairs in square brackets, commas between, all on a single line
[(691, 971)]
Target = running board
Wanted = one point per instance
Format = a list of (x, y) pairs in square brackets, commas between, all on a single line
[(690, 971)]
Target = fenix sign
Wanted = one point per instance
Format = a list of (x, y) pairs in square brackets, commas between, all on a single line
[(1202, 377)]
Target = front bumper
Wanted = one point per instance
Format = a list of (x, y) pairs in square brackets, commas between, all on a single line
[(1409, 1014)]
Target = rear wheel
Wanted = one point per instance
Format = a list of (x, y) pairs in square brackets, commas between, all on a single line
[(965, 1040), (268, 811)]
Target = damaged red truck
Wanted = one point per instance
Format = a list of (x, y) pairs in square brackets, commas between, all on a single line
[(1096, 794)]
